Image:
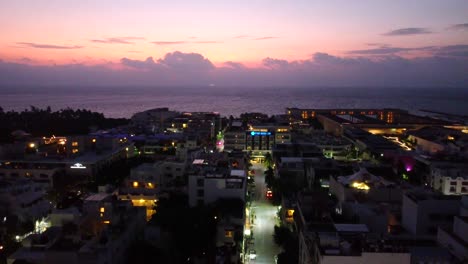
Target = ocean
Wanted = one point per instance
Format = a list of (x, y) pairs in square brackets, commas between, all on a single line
[(125, 101)]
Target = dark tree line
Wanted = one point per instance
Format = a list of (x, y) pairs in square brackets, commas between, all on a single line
[(45, 122)]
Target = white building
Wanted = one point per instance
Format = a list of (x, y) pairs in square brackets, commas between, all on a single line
[(450, 179), (211, 184), (424, 212)]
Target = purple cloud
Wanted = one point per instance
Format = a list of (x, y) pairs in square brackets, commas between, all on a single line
[(274, 63), (234, 65), (408, 31), (46, 46), (459, 27), (447, 67)]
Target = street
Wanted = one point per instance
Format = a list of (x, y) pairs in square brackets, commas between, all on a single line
[(264, 220)]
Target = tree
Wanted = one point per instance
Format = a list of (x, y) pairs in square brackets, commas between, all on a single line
[(268, 160), (269, 177)]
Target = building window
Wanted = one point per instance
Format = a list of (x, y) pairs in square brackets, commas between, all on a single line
[(135, 184), (200, 182), (102, 209), (453, 183), (228, 233), (465, 183), (200, 193), (74, 144)]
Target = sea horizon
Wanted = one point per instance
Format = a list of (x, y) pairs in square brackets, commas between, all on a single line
[(124, 101)]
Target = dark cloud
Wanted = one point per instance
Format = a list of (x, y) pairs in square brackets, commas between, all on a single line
[(46, 46), (169, 42), (379, 51), (118, 40), (452, 51), (440, 51), (234, 65), (274, 63), (137, 64), (446, 67), (408, 31), (186, 61), (459, 27)]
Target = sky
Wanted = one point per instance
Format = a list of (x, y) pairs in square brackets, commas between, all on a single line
[(255, 42)]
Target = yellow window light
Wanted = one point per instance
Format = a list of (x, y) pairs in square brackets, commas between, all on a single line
[(135, 184)]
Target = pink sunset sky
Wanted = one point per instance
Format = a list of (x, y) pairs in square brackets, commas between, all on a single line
[(253, 34)]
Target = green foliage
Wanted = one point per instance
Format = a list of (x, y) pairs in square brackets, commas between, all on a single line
[(269, 177), (268, 160)]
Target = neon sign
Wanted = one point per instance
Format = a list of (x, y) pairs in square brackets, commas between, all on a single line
[(260, 133), (78, 166)]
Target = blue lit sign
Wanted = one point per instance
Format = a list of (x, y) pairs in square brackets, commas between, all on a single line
[(258, 133)]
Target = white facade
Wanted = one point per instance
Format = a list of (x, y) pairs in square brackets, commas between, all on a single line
[(423, 213), (450, 180), (207, 189)]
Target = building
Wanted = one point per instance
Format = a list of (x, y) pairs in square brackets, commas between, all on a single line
[(362, 185), (348, 243), (433, 140), (424, 212), (76, 155), (101, 235), (450, 179), (148, 181), (456, 238), (208, 184)]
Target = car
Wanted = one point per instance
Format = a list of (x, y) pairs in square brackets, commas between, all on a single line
[(269, 194)]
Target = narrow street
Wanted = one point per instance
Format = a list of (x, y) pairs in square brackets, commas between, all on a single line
[(264, 220)]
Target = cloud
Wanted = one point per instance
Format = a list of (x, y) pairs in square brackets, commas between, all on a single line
[(169, 42), (380, 51), (46, 46), (452, 51), (242, 37), (408, 31), (444, 66), (185, 42), (459, 27), (234, 65), (186, 61), (117, 40), (206, 42), (440, 51), (137, 64), (274, 63), (264, 38)]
